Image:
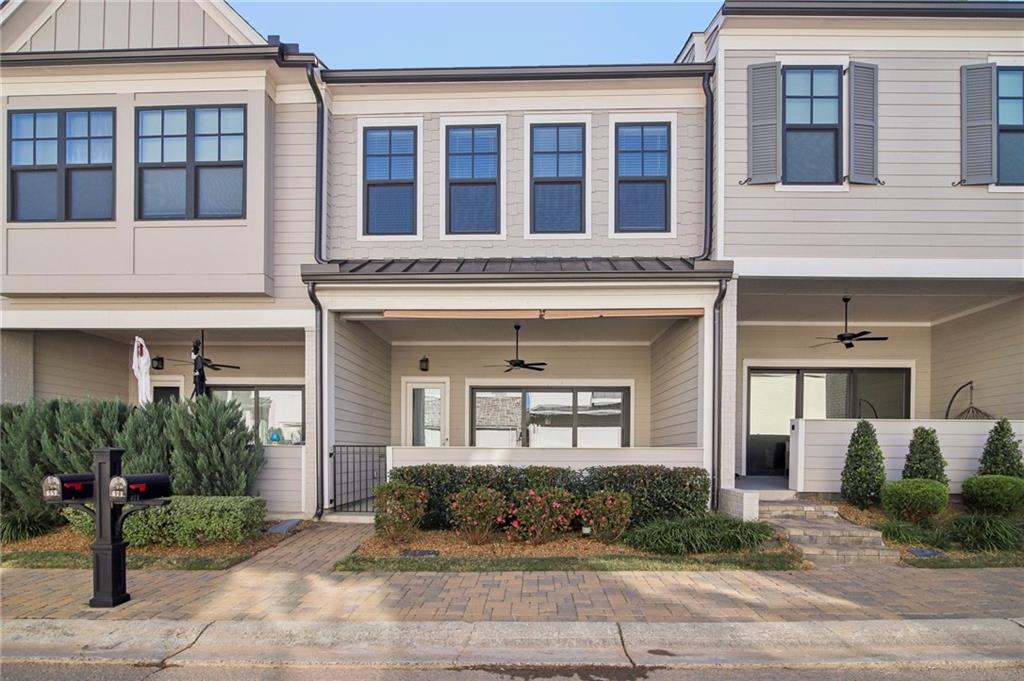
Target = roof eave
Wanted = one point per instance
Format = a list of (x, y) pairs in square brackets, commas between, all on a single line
[(950, 9), (516, 73), (157, 55)]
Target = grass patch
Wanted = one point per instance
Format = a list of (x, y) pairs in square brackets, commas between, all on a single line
[(83, 561), (740, 560), (995, 559)]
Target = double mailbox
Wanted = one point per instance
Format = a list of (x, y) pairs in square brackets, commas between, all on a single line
[(112, 497)]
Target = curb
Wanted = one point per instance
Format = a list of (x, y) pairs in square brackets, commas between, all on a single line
[(484, 644)]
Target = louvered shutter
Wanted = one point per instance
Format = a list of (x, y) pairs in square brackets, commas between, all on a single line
[(978, 123), (764, 123), (863, 123)]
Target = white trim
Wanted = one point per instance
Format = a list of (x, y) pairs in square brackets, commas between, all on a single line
[(167, 381), (551, 383), (156, 319), (410, 382), (503, 183), (31, 29), (1006, 189), (834, 34), (1006, 59), (718, 238), (879, 268), (257, 381), (812, 364), (525, 343), (530, 120), (671, 118), (385, 122), (236, 26), (842, 60), (834, 323)]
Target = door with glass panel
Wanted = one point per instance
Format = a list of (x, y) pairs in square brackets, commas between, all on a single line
[(772, 404), (426, 414)]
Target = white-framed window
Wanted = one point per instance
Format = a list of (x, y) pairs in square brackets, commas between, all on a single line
[(557, 153), (389, 171), (473, 187), (425, 407), (642, 152), (277, 412)]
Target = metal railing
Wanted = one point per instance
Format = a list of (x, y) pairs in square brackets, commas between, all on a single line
[(355, 471)]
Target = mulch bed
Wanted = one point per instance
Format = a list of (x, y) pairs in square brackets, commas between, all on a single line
[(451, 545)]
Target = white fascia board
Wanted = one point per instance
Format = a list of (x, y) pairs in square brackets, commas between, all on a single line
[(881, 268), (155, 319)]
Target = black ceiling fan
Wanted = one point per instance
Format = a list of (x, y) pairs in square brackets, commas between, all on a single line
[(197, 349), (846, 337), (518, 363)]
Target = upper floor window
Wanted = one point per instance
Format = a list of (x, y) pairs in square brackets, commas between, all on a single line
[(472, 184), (811, 151), (556, 183), (642, 177), (1011, 125), (61, 165), (191, 163), (389, 180)]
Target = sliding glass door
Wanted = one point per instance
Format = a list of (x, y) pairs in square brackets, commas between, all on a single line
[(776, 396), (550, 417)]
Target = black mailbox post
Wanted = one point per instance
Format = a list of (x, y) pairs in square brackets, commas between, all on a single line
[(108, 492)]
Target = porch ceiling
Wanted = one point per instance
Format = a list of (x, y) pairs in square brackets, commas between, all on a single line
[(213, 336), (534, 331), (880, 301)]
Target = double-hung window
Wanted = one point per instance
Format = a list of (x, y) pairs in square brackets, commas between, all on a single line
[(1010, 151), (191, 163), (61, 165), (812, 141), (642, 177), (389, 181), (473, 199), (556, 182)]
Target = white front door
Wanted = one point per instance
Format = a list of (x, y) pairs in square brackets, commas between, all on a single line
[(425, 417)]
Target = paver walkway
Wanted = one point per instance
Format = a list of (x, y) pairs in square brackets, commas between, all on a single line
[(293, 582)]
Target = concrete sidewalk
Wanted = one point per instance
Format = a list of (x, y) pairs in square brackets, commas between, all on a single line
[(158, 643)]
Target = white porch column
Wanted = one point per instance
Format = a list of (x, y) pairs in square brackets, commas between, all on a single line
[(730, 416), (312, 422)]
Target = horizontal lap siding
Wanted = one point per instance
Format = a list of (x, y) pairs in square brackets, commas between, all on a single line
[(294, 200), (988, 348), (917, 214), (568, 458), (362, 397), (825, 444), (280, 481), (675, 386), (79, 366)]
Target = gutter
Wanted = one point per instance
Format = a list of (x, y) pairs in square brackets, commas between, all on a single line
[(709, 162), (318, 230), (515, 73), (941, 9), (716, 398), (278, 53)]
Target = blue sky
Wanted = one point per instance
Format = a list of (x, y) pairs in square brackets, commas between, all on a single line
[(410, 34)]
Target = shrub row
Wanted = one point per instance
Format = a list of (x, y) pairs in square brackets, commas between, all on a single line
[(187, 521), (969, 531), (204, 445), (655, 491)]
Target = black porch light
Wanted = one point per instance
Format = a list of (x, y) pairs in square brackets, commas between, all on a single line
[(424, 363)]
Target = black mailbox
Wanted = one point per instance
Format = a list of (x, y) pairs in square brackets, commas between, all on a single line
[(72, 487), (128, 488)]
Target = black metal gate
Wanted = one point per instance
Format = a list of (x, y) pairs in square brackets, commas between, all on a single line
[(356, 470)]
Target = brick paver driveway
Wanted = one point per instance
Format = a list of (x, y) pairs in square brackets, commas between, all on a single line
[(293, 581)]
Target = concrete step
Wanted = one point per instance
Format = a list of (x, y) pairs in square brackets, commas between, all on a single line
[(775, 494), (826, 555), (767, 510)]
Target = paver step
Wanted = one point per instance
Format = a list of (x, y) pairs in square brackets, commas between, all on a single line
[(835, 541), (796, 509)]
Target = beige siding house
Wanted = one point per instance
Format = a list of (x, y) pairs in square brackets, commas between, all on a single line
[(544, 265)]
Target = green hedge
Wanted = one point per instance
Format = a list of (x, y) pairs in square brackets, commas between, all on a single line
[(999, 494), (187, 521), (914, 499), (656, 491), (699, 534)]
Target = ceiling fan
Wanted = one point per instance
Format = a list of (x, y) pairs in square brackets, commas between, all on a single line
[(846, 337), (518, 363), (197, 348)]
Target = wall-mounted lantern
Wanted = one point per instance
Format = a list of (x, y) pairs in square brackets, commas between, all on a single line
[(424, 363)]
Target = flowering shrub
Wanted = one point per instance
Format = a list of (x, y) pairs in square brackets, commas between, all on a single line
[(476, 511), (607, 514), (398, 510), (540, 515)]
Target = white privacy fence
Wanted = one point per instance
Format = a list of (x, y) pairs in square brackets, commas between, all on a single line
[(579, 457), (818, 449)]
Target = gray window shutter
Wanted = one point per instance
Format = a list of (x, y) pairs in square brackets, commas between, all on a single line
[(978, 123), (764, 123), (863, 123)]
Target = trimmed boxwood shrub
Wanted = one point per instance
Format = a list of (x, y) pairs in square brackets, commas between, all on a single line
[(607, 514), (398, 510), (983, 532), (999, 494), (864, 470), (541, 515), (187, 521), (699, 534), (924, 458), (1002, 455), (476, 512), (914, 500), (655, 491)]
